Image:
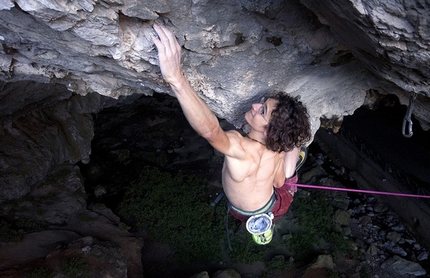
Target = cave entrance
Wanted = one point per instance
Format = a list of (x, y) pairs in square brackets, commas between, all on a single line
[(378, 133), (371, 145)]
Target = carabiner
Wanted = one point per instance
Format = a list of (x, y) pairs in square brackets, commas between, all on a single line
[(407, 120)]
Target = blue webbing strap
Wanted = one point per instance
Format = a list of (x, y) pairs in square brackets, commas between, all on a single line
[(226, 228), (213, 204)]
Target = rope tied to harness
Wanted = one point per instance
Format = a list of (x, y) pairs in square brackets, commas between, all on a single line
[(361, 191)]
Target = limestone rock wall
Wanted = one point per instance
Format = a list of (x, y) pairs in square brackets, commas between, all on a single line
[(41, 135), (234, 51), (57, 226), (392, 38)]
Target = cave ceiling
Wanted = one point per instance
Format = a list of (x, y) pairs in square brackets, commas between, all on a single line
[(330, 53)]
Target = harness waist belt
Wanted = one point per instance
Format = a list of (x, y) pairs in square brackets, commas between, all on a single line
[(266, 208)]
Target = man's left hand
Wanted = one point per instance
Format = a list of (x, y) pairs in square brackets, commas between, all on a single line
[(169, 54)]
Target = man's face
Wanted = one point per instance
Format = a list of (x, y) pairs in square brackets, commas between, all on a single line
[(260, 113)]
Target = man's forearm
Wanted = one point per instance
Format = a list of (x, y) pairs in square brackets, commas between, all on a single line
[(195, 109), (198, 114)]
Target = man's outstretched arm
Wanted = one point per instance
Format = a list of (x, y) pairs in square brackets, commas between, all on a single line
[(198, 114)]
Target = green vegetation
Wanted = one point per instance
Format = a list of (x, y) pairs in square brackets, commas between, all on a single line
[(9, 228), (7, 234), (85, 217), (159, 159), (245, 250), (276, 265), (30, 225), (123, 227), (75, 268), (317, 225), (364, 272), (123, 155), (58, 176), (333, 274), (40, 272), (173, 209), (70, 268)]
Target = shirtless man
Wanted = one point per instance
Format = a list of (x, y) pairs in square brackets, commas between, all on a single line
[(258, 167)]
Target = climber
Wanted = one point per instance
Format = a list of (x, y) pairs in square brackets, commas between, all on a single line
[(258, 167)]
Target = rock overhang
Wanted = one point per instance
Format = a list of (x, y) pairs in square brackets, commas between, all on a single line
[(233, 52)]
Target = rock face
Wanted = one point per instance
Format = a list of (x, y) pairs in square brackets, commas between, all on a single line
[(54, 132), (234, 51), (391, 39), (55, 227)]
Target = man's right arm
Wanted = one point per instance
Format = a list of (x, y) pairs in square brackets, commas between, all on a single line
[(198, 114)]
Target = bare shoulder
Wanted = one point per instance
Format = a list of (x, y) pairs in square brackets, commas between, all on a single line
[(234, 135), (236, 148)]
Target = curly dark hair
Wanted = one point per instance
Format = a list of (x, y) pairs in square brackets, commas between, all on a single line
[(289, 124)]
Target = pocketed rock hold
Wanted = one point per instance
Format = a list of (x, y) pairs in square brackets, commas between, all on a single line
[(403, 266)]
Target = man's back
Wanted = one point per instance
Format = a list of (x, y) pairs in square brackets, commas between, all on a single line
[(249, 182)]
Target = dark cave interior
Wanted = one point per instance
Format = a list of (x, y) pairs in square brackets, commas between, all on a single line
[(152, 129)]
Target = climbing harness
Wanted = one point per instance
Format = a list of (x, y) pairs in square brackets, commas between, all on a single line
[(407, 120), (226, 229), (259, 225), (361, 191), (264, 221), (267, 207), (214, 203)]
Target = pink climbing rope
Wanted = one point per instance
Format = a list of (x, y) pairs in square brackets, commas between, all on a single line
[(360, 190)]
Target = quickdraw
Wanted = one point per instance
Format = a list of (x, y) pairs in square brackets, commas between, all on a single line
[(407, 120)]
